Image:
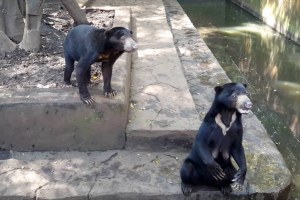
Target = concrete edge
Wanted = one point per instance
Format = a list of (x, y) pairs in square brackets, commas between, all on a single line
[(160, 141)]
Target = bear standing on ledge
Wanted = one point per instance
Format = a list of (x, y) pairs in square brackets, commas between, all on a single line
[(87, 45), (219, 137)]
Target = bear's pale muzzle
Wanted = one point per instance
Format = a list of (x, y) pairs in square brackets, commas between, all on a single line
[(130, 45)]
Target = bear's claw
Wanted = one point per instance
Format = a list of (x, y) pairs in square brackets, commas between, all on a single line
[(88, 100), (110, 94), (67, 82), (217, 172)]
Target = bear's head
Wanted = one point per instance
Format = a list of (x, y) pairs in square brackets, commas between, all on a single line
[(121, 39), (233, 96)]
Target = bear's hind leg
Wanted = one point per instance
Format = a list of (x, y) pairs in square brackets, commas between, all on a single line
[(189, 177), (88, 76), (69, 68), (81, 71), (226, 189)]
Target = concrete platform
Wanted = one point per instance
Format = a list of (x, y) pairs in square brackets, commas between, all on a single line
[(112, 175), (57, 120)]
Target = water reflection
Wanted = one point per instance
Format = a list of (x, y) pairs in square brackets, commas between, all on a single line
[(251, 52), (265, 58)]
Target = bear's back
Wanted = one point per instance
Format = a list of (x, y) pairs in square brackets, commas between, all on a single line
[(81, 40)]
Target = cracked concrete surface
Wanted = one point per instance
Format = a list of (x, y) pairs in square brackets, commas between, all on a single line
[(112, 175), (92, 175), (51, 175)]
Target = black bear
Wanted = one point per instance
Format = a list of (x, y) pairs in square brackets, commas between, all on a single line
[(87, 45), (219, 138)]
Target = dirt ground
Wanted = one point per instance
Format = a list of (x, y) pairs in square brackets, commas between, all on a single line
[(45, 69)]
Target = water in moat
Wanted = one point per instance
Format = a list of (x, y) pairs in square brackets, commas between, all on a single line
[(252, 53)]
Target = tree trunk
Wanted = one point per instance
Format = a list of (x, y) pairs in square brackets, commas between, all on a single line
[(22, 7), (6, 45), (76, 13), (11, 19), (31, 38)]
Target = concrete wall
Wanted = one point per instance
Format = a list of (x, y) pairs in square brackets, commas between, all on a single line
[(283, 15)]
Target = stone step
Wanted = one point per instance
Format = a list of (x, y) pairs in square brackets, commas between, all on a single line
[(56, 119), (162, 112), (127, 175)]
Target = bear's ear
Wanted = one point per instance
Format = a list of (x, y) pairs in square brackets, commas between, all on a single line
[(218, 89), (245, 85)]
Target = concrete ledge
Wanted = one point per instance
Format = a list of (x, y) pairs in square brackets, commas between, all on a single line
[(56, 119), (161, 106), (160, 140), (114, 175), (63, 125)]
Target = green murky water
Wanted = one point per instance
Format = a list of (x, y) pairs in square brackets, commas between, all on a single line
[(252, 53)]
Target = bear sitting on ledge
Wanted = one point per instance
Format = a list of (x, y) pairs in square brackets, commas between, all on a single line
[(219, 138)]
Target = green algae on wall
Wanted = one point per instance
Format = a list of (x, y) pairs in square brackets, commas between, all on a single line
[(283, 15)]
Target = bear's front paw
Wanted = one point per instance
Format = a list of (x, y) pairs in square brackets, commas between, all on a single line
[(237, 186), (67, 82), (110, 94), (70, 84), (88, 100), (216, 171), (238, 179)]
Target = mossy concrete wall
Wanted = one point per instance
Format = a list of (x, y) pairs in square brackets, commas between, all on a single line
[(283, 15)]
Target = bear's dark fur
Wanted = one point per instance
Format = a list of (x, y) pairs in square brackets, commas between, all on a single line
[(219, 138), (87, 45)]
